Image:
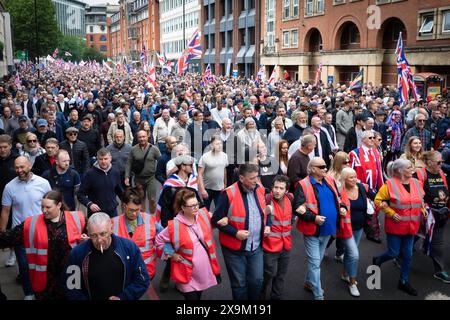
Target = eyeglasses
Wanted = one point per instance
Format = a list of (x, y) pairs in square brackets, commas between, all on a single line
[(421, 120), (321, 167), (193, 206), (31, 141), (438, 162), (73, 134), (370, 138)]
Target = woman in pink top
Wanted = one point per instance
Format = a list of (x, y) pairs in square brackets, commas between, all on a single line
[(196, 257)]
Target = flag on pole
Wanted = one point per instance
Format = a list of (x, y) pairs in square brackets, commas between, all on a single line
[(405, 80), (17, 82), (273, 76), (261, 75), (151, 75), (182, 64), (67, 54), (105, 65), (143, 55), (358, 81), (55, 53), (194, 48), (318, 74), (207, 75)]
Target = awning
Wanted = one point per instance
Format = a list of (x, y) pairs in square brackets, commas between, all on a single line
[(249, 56), (241, 55)]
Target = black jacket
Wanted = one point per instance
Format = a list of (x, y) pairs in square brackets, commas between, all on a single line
[(29, 107), (293, 133), (326, 148), (92, 140), (41, 164), (7, 172), (351, 140), (79, 155)]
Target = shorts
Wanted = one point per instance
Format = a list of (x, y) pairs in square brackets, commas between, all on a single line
[(149, 185)]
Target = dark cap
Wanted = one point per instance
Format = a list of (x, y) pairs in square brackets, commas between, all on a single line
[(380, 113), (71, 129), (23, 118), (88, 116)]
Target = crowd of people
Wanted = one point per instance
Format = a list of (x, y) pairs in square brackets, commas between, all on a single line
[(101, 174)]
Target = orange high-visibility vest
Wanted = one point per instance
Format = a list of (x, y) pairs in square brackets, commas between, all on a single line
[(35, 240), (280, 233), (144, 237), (309, 228), (345, 230), (181, 272), (236, 214), (422, 176), (408, 205)]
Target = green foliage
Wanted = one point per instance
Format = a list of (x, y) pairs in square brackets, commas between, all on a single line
[(93, 54), (78, 48), (24, 27)]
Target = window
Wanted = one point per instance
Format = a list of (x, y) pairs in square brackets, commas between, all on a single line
[(286, 9), (309, 8), (103, 38), (285, 38), (103, 48), (319, 6), (427, 24), (91, 38), (446, 21), (91, 29), (295, 8), (294, 38)]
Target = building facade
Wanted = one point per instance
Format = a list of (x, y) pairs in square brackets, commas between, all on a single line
[(6, 54), (98, 18), (347, 35), (231, 33), (133, 27), (70, 15), (178, 21)]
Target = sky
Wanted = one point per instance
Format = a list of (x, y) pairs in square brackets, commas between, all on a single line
[(100, 1)]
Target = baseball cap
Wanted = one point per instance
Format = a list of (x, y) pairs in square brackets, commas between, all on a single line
[(23, 118), (41, 123)]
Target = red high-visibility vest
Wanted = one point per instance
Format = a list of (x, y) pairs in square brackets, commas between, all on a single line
[(422, 176), (280, 233), (309, 228), (345, 230), (236, 214), (35, 241), (181, 272), (407, 205), (144, 237)]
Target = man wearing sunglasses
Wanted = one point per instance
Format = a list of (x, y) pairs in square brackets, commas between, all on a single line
[(78, 151), (320, 212), (420, 131)]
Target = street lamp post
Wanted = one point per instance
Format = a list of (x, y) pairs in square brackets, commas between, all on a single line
[(37, 41)]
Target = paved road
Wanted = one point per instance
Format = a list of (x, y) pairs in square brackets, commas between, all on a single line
[(335, 289)]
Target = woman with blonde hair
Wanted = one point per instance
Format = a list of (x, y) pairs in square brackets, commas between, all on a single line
[(413, 152), (31, 149), (341, 160)]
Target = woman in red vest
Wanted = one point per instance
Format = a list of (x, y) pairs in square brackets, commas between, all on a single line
[(194, 266), (138, 226), (48, 239), (401, 199)]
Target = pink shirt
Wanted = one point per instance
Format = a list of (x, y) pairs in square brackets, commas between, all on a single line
[(202, 274)]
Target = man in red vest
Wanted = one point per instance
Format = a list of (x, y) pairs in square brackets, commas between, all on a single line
[(241, 239), (277, 245)]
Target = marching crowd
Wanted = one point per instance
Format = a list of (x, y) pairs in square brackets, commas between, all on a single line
[(83, 152)]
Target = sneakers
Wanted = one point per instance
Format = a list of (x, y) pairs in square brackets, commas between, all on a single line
[(339, 258), (347, 279), (443, 276), (308, 287), (30, 297), (406, 287), (11, 260), (353, 290)]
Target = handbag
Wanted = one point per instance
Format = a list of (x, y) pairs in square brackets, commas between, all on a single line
[(138, 165), (370, 207)]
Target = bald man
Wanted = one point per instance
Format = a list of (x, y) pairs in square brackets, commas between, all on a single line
[(23, 195)]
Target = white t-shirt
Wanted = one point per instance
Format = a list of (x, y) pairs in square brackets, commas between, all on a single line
[(25, 197), (214, 169)]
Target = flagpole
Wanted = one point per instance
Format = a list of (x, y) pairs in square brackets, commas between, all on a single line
[(37, 41), (184, 25)]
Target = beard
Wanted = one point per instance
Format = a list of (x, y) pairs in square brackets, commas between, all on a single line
[(303, 125)]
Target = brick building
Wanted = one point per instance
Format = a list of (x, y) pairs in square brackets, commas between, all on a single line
[(346, 35), (135, 25), (97, 20), (230, 35)]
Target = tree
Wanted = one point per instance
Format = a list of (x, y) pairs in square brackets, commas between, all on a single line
[(72, 44), (91, 53), (24, 26)]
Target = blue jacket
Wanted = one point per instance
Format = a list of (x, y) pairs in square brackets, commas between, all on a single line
[(136, 278)]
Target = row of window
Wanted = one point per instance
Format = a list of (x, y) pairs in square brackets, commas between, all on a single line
[(290, 38), (291, 8), (115, 17), (139, 17), (169, 5), (434, 22), (173, 46), (102, 38), (91, 28), (191, 20), (139, 3)]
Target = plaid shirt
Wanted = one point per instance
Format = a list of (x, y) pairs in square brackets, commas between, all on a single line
[(424, 135)]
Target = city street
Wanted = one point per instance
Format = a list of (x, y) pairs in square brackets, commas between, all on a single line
[(335, 289)]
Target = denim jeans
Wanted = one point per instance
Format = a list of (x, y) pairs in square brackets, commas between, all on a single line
[(212, 195), (315, 250), (23, 270), (275, 270), (245, 270), (396, 245), (351, 253)]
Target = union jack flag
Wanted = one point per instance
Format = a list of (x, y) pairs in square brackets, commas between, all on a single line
[(194, 48), (405, 80), (143, 55), (207, 76), (182, 64)]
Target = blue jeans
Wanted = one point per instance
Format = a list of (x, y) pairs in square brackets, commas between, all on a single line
[(246, 272), (315, 250), (396, 245), (351, 253), (23, 269)]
